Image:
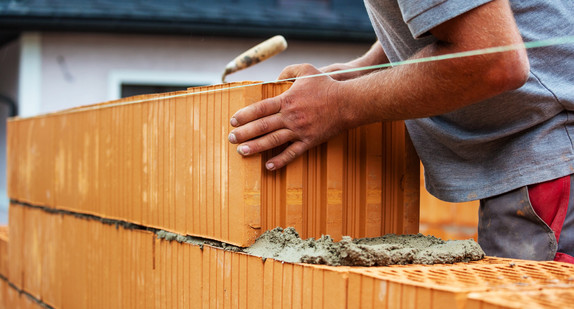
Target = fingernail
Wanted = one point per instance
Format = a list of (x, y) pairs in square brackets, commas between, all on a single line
[(233, 122), (243, 150), (270, 166), (232, 139)]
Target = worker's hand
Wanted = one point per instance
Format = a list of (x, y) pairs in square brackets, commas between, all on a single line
[(302, 117)]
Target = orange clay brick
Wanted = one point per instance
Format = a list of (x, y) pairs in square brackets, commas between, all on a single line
[(12, 298), (448, 285), (112, 267), (544, 298), (163, 161), (16, 223), (4, 237)]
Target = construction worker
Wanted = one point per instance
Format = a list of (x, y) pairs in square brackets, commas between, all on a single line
[(496, 127)]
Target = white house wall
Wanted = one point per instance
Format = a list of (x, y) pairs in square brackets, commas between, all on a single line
[(30, 74), (79, 69)]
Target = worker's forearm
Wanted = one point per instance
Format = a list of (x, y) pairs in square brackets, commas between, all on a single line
[(427, 89)]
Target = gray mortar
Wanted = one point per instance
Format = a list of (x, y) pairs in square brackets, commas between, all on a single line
[(286, 245), (169, 236)]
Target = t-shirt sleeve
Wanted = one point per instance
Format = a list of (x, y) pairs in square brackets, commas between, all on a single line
[(423, 15)]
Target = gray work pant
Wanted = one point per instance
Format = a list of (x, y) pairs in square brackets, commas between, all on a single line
[(509, 227)]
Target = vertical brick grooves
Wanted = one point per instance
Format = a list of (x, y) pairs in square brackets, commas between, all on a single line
[(273, 194), (187, 164), (115, 160), (347, 225), (211, 189), (173, 212), (153, 158), (140, 198), (388, 176), (223, 124), (105, 182), (212, 165), (179, 189), (315, 191), (278, 198), (165, 163), (202, 157), (308, 209), (394, 165), (362, 181), (274, 184), (195, 166), (311, 204), (351, 183), (323, 188), (283, 199), (399, 166), (156, 156), (124, 142), (372, 178)]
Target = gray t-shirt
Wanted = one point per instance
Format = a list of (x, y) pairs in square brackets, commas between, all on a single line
[(515, 139)]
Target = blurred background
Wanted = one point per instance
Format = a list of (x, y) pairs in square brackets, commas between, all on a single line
[(57, 54)]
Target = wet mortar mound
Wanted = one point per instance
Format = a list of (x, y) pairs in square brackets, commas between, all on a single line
[(286, 245)]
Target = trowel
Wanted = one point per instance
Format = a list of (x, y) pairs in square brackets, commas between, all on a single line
[(256, 54)]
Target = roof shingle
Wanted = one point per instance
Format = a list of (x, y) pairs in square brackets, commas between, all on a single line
[(309, 19)]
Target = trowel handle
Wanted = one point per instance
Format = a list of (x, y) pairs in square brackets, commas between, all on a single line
[(256, 54)]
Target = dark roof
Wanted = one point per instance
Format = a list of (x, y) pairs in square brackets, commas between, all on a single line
[(301, 19)]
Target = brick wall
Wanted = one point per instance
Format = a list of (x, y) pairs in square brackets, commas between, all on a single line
[(91, 188)]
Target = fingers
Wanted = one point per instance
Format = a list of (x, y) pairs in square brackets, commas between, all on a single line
[(256, 128), (266, 142), (255, 111), (271, 141), (287, 156)]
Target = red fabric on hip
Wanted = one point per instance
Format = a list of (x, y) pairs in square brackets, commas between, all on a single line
[(563, 257), (550, 201)]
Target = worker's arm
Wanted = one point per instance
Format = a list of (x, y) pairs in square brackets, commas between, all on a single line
[(315, 109), (374, 56)]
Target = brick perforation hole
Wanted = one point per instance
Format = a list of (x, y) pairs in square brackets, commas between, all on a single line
[(489, 274)]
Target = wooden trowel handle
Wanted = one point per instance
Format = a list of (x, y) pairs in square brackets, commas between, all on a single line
[(256, 54)]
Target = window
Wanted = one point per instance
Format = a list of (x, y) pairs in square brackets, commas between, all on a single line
[(123, 84), (128, 90)]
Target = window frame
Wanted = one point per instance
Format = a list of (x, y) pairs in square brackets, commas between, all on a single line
[(117, 78)]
